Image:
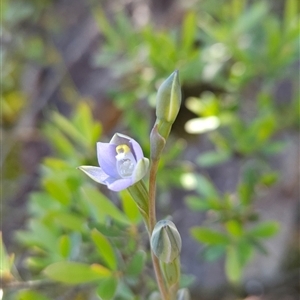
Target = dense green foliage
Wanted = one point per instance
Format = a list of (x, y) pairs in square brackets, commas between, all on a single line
[(75, 233)]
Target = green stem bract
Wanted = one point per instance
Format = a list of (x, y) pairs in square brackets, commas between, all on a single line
[(164, 128), (171, 273), (140, 195)]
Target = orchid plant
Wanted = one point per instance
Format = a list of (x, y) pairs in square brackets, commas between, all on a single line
[(123, 166)]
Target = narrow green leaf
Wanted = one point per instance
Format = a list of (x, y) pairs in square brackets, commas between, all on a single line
[(212, 158), (209, 236), (67, 220), (83, 120), (233, 267), (265, 229), (59, 141), (6, 261), (64, 244), (189, 31), (130, 208), (213, 252), (136, 264), (206, 188), (197, 204), (58, 190), (30, 295), (245, 252), (290, 13), (68, 128), (234, 228), (104, 248), (75, 273), (107, 288), (102, 206)]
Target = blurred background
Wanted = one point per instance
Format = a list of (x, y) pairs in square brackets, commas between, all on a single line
[(77, 71)]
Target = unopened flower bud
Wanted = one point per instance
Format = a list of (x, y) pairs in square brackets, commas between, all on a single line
[(168, 103), (166, 241), (183, 294)]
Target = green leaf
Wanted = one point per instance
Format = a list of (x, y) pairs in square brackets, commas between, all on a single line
[(58, 190), (6, 262), (197, 204), (245, 252), (214, 252), (265, 230), (67, 220), (129, 207), (68, 128), (59, 141), (212, 158), (189, 31), (107, 288), (41, 203), (274, 147), (233, 268), (30, 295), (234, 228), (75, 273), (269, 179), (64, 246), (104, 248), (206, 188), (83, 120), (102, 206), (209, 236), (136, 264), (290, 13)]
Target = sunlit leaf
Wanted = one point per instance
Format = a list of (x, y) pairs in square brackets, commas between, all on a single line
[(102, 206), (107, 288), (234, 228), (104, 248), (265, 230), (214, 252), (74, 273), (30, 295), (64, 246), (197, 204), (209, 236), (206, 188), (130, 207), (136, 264), (233, 267), (189, 29), (58, 190), (212, 158)]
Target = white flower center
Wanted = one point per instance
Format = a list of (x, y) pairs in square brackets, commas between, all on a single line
[(125, 161)]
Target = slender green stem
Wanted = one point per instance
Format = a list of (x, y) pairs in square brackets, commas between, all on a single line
[(152, 222), (152, 192)]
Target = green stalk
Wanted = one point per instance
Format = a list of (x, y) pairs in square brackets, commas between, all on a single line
[(152, 222)]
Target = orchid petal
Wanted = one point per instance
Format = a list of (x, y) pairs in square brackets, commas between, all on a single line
[(106, 154), (140, 170), (95, 173), (120, 184)]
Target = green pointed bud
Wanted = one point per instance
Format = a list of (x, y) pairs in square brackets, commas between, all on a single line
[(171, 273), (169, 98), (165, 241), (183, 294), (168, 103), (157, 143)]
